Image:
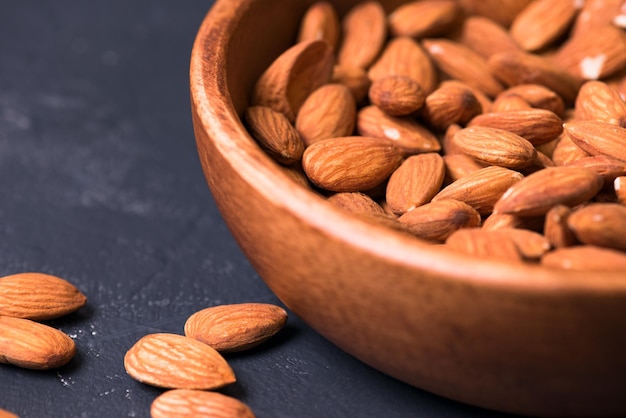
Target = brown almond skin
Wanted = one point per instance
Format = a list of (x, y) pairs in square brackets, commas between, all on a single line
[(415, 182), (397, 95), (355, 78), (598, 101), (293, 75), (189, 403), (607, 167), (405, 132), (275, 134), (329, 112), (236, 327), (597, 138), (420, 19), (435, 221), (320, 22), (536, 125), (405, 57), (482, 188), (585, 258), (177, 362), (538, 192), (38, 296), (500, 11), (356, 202), (482, 243), (566, 151), (451, 103), (556, 230), (486, 37), (492, 146), (509, 103), (364, 30), (600, 224), (459, 166), (31, 345)]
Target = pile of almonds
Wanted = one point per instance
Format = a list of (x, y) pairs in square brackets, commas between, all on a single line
[(492, 128), (191, 366)]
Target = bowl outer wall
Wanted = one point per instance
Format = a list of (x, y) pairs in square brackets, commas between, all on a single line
[(519, 339)]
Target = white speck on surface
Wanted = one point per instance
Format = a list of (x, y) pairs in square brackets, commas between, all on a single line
[(578, 4), (391, 133), (620, 20), (597, 218), (567, 264), (617, 184), (591, 67), (584, 16), (65, 382), (435, 49)]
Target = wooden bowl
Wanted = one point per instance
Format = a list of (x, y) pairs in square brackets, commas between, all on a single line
[(521, 339)]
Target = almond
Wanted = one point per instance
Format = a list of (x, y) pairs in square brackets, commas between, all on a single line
[(355, 78), (600, 224), (320, 22), (497, 221), (501, 11), (275, 134), (486, 37), (423, 18), (38, 296), (538, 96), (189, 403), (350, 164), (556, 230), (530, 244), (459, 166), (585, 258), (403, 56), (435, 221), (566, 151), (451, 103), (541, 22), (329, 112), (598, 138), (176, 362), (538, 192), (594, 57), (289, 80), (482, 188), (356, 202), (515, 67), (607, 167), (536, 125), (509, 102), (461, 63), (405, 132), (6, 414), (596, 14), (236, 327), (364, 30), (492, 146), (598, 101), (482, 243), (415, 182), (397, 95), (31, 345)]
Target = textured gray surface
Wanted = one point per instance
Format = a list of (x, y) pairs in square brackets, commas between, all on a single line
[(101, 185)]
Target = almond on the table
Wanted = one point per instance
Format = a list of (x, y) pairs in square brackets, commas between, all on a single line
[(190, 403), (236, 327)]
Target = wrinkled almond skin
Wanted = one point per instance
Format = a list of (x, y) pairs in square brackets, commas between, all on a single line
[(600, 224), (538, 192), (483, 243), (31, 345), (356, 202), (585, 258), (486, 37), (435, 221), (236, 327), (275, 134), (542, 22), (462, 63), (556, 230), (38, 296), (598, 101), (509, 103), (539, 97), (320, 22), (424, 18), (190, 403), (607, 167), (289, 80), (364, 30), (355, 79), (536, 125), (397, 95), (459, 166), (328, 112), (492, 146), (350, 164), (598, 138), (405, 57), (451, 103), (530, 244), (405, 132), (177, 362), (566, 151), (415, 182), (482, 188)]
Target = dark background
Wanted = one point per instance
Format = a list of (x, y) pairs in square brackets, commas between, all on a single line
[(100, 184)]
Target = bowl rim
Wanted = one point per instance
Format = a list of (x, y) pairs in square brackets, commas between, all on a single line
[(215, 113)]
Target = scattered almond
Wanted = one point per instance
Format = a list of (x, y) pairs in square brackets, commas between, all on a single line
[(189, 403)]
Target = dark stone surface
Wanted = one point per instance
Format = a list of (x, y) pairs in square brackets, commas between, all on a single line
[(101, 185)]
